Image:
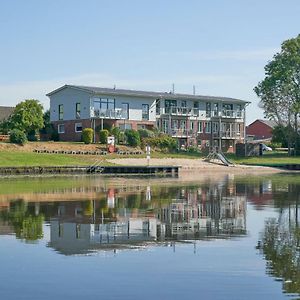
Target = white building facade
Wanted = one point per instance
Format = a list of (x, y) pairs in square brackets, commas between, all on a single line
[(194, 120)]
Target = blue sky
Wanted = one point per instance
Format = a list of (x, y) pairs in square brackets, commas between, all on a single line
[(221, 47)]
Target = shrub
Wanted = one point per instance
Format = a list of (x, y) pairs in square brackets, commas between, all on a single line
[(87, 135), (103, 134), (133, 137), (17, 136), (145, 133), (31, 136), (115, 131), (163, 142), (275, 145), (122, 138)]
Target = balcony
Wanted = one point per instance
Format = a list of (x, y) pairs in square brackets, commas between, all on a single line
[(235, 114), (181, 133), (109, 113), (180, 111), (228, 134)]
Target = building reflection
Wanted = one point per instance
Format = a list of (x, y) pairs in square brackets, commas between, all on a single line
[(134, 220)]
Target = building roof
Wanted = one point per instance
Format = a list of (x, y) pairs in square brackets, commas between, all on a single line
[(5, 112), (270, 123), (157, 95)]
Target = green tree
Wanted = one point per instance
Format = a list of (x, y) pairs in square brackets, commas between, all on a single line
[(27, 116), (279, 91)]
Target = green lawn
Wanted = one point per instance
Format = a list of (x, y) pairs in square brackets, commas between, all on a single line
[(268, 159), (20, 158)]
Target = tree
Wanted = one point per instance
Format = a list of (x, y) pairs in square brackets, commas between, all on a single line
[(27, 116), (279, 91)]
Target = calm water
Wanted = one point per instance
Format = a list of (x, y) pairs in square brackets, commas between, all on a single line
[(129, 238)]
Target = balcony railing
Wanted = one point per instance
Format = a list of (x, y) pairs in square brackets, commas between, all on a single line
[(180, 111), (108, 113), (228, 134), (232, 114)]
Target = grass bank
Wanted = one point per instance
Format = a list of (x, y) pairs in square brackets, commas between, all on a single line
[(270, 159), (20, 158)]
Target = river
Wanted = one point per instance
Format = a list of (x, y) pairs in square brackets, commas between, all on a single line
[(100, 237)]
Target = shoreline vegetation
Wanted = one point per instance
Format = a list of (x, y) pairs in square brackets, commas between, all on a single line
[(12, 155)]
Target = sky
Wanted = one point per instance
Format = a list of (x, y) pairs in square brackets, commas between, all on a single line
[(219, 46)]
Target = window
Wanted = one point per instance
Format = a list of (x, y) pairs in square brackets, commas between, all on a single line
[(103, 104), (60, 112), (183, 103), (78, 127), (192, 125), (207, 127), (125, 110), (208, 109), (239, 110), (216, 109), (215, 127), (157, 106), (145, 111), (174, 124), (60, 229), (228, 110), (196, 104), (125, 126), (200, 128), (169, 104), (77, 108), (61, 128), (141, 126), (78, 229)]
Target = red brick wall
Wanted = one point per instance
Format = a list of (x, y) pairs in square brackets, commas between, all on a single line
[(260, 130), (71, 135)]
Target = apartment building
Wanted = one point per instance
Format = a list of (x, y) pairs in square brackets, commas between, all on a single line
[(195, 120)]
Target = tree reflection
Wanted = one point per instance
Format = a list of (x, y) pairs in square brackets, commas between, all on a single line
[(280, 241), (27, 225)]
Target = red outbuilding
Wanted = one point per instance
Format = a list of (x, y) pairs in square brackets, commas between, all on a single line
[(260, 129)]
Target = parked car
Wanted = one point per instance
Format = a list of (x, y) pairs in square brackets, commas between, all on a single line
[(266, 148)]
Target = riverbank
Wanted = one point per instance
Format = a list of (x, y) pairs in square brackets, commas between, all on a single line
[(193, 165), (12, 155)]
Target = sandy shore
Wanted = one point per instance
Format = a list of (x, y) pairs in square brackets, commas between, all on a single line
[(194, 165)]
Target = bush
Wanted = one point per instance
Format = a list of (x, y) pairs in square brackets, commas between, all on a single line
[(31, 136), (103, 134), (163, 142), (17, 136), (145, 133), (193, 149), (87, 135), (275, 145), (133, 137), (122, 138), (115, 131)]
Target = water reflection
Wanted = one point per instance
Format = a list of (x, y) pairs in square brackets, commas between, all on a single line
[(280, 240), (130, 216)]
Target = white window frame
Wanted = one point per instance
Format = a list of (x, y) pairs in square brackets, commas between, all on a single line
[(76, 124), (207, 127), (58, 128), (200, 126)]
